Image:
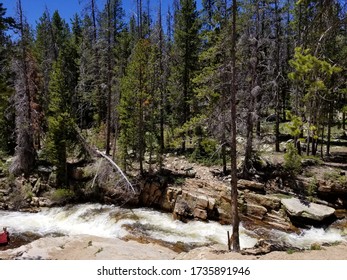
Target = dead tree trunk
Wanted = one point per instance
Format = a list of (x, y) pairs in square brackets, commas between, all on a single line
[(235, 239)]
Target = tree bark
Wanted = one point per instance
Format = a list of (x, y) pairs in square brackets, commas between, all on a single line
[(235, 239)]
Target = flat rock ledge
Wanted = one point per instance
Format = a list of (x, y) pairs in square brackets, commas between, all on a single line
[(87, 247), (297, 208)]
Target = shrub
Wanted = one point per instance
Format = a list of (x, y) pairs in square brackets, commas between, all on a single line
[(316, 246), (312, 187), (62, 195), (292, 160)]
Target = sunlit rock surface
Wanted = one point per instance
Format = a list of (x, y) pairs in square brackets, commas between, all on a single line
[(313, 211)]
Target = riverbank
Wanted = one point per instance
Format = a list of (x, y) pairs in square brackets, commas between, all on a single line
[(86, 247)]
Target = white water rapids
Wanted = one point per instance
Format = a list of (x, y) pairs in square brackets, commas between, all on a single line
[(113, 222)]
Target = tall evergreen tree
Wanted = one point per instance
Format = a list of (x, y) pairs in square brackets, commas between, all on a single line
[(111, 25), (134, 104), (185, 57), (61, 119)]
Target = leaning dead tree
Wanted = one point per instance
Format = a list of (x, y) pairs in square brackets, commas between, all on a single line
[(118, 182)]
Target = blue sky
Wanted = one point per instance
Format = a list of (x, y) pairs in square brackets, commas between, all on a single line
[(33, 9)]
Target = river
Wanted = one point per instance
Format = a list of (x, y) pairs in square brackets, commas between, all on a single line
[(115, 222)]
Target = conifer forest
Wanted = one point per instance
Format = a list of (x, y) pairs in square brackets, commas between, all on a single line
[(211, 80)]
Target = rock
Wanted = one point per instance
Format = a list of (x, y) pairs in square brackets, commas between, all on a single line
[(246, 184), (34, 201), (256, 211), (211, 203), (85, 247), (266, 246), (169, 198), (279, 220), (45, 202), (182, 211), (267, 201), (3, 206), (332, 188), (202, 202), (224, 216), (200, 214), (296, 208), (152, 193)]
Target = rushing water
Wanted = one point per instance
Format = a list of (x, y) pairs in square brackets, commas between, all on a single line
[(111, 221)]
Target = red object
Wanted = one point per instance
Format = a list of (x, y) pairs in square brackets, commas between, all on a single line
[(4, 238)]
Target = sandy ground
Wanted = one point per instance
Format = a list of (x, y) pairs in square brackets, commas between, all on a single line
[(85, 247)]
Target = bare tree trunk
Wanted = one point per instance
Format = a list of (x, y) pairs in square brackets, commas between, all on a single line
[(109, 80), (322, 142), (235, 239), (277, 108), (330, 122), (161, 88), (308, 136)]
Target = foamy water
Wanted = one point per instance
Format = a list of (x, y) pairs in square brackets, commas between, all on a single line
[(109, 221)]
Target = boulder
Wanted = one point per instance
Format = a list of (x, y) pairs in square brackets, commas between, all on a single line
[(251, 185), (182, 210), (313, 211), (169, 198)]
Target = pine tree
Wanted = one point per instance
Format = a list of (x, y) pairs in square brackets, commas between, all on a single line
[(111, 25), (185, 57), (61, 119), (134, 103)]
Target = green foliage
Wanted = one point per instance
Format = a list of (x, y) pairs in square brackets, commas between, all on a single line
[(6, 118), (6, 111), (335, 176), (205, 152), (295, 124), (316, 159), (312, 187), (62, 195), (292, 160), (179, 181), (61, 133), (315, 246), (182, 100), (137, 111)]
